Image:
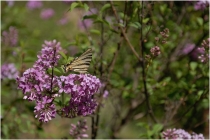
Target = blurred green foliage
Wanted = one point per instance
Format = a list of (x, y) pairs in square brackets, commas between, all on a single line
[(177, 83)]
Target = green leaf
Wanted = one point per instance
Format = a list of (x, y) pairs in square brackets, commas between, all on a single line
[(179, 74), (206, 26), (5, 131), (141, 124), (125, 94), (200, 92), (74, 5), (63, 55), (95, 31), (49, 70), (104, 62), (29, 59), (136, 25), (57, 70), (114, 31), (93, 16), (163, 8), (200, 21), (149, 133), (101, 21), (193, 65), (71, 43), (22, 44), (28, 123), (70, 59), (86, 7), (106, 6), (58, 102), (145, 20), (121, 24), (157, 128)]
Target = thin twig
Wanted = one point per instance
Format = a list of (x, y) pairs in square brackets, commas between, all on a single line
[(111, 66), (101, 72), (124, 34), (149, 107), (182, 116), (93, 128), (200, 123)]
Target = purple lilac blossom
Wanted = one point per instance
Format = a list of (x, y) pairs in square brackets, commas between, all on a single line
[(196, 53), (47, 13), (31, 4), (79, 131), (39, 86), (188, 48), (180, 134), (197, 136), (45, 110), (204, 49), (36, 84), (10, 3), (63, 21), (81, 88), (201, 4), (35, 80), (193, 51), (87, 23), (155, 51), (202, 56), (106, 93), (49, 55), (9, 71), (33, 83), (10, 38)]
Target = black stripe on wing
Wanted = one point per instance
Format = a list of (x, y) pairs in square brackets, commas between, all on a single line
[(80, 64), (85, 55)]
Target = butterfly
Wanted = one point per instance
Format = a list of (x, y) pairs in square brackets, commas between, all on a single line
[(79, 64)]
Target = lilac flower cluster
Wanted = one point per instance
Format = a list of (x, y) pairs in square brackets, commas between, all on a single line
[(33, 83), (165, 33), (79, 131), (31, 4), (47, 13), (164, 36), (10, 38), (81, 88), (49, 55), (43, 87), (155, 51), (204, 56), (201, 4), (180, 134), (9, 71), (36, 84), (45, 110)]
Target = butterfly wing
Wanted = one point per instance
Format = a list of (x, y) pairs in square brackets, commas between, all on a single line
[(80, 64)]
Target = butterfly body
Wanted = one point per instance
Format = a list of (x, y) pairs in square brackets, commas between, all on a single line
[(80, 64)]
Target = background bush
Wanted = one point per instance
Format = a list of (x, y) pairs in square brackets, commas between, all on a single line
[(147, 92)]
